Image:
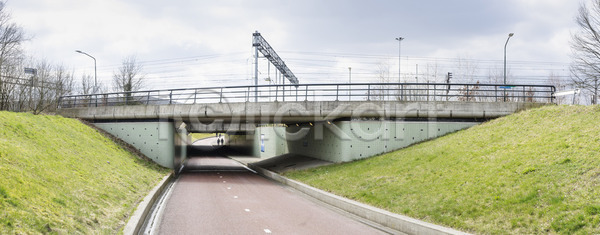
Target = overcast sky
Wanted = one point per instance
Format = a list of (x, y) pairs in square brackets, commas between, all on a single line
[(185, 43)]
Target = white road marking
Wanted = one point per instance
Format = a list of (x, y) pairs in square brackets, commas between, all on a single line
[(235, 197), (220, 177), (247, 210), (267, 230), (228, 187), (224, 181)]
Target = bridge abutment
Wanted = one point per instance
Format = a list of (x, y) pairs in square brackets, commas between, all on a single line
[(344, 141), (162, 141)]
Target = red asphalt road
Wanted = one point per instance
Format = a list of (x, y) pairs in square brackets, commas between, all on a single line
[(222, 197)]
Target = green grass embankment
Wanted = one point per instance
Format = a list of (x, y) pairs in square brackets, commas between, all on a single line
[(58, 175), (536, 171), (198, 136)]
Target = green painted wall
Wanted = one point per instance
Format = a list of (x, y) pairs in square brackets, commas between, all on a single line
[(159, 141), (342, 141), (351, 140), (274, 142)]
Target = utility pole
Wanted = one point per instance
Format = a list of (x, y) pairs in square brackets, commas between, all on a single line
[(256, 74)]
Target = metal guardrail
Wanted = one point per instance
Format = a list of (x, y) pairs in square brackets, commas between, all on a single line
[(320, 92)]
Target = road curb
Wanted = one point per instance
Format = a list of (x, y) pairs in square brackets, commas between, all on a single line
[(141, 212), (395, 221)]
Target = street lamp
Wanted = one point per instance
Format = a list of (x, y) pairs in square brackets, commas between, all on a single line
[(505, 44), (95, 71), (349, 75), (349, 83), (399, 54)]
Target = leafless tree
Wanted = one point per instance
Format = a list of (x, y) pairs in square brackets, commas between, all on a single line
[(556, 81), (11, 37), (467, 70), (130, 76), (47, 86), (383, 76), (87, 84), (585, 45), (469, 93), (432, 72), (63, 84)]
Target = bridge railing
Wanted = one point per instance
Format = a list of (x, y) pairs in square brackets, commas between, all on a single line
[(320, 92)]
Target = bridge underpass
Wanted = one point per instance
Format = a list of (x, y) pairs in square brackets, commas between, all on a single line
[(216, 194), (331, 122)]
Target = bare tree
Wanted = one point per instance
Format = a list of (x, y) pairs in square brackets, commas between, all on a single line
[(432, 72), (556, 81), (469, 93), (47, 86), (383, 76), (11, 37), (12, 87), (130, 76), (585, 45), (87, 84), (467, 70), (63, 85)]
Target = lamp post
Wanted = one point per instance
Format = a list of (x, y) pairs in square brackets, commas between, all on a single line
[(349, 83), (399, 58), (505, 44), (349, 75), (95, 71)]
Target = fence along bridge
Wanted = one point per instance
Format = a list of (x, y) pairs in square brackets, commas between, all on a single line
[(311, 102)]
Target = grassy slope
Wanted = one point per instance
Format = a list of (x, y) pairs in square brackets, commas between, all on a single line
[(198, 136), (61, 176), (537, 171)]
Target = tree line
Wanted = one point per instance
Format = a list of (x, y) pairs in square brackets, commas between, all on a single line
[(29, 85)]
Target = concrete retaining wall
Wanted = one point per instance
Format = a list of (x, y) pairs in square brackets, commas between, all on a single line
[(352, 140), (160, 141), (269, 142)]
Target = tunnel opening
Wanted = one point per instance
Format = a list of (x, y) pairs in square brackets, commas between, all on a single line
[(209, 153)]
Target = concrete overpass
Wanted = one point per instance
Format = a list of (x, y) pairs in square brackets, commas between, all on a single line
[(333, 122)]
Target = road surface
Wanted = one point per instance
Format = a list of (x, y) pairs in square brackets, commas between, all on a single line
[(217, 195)]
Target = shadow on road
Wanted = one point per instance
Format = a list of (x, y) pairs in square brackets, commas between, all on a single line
[(203, 158)]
